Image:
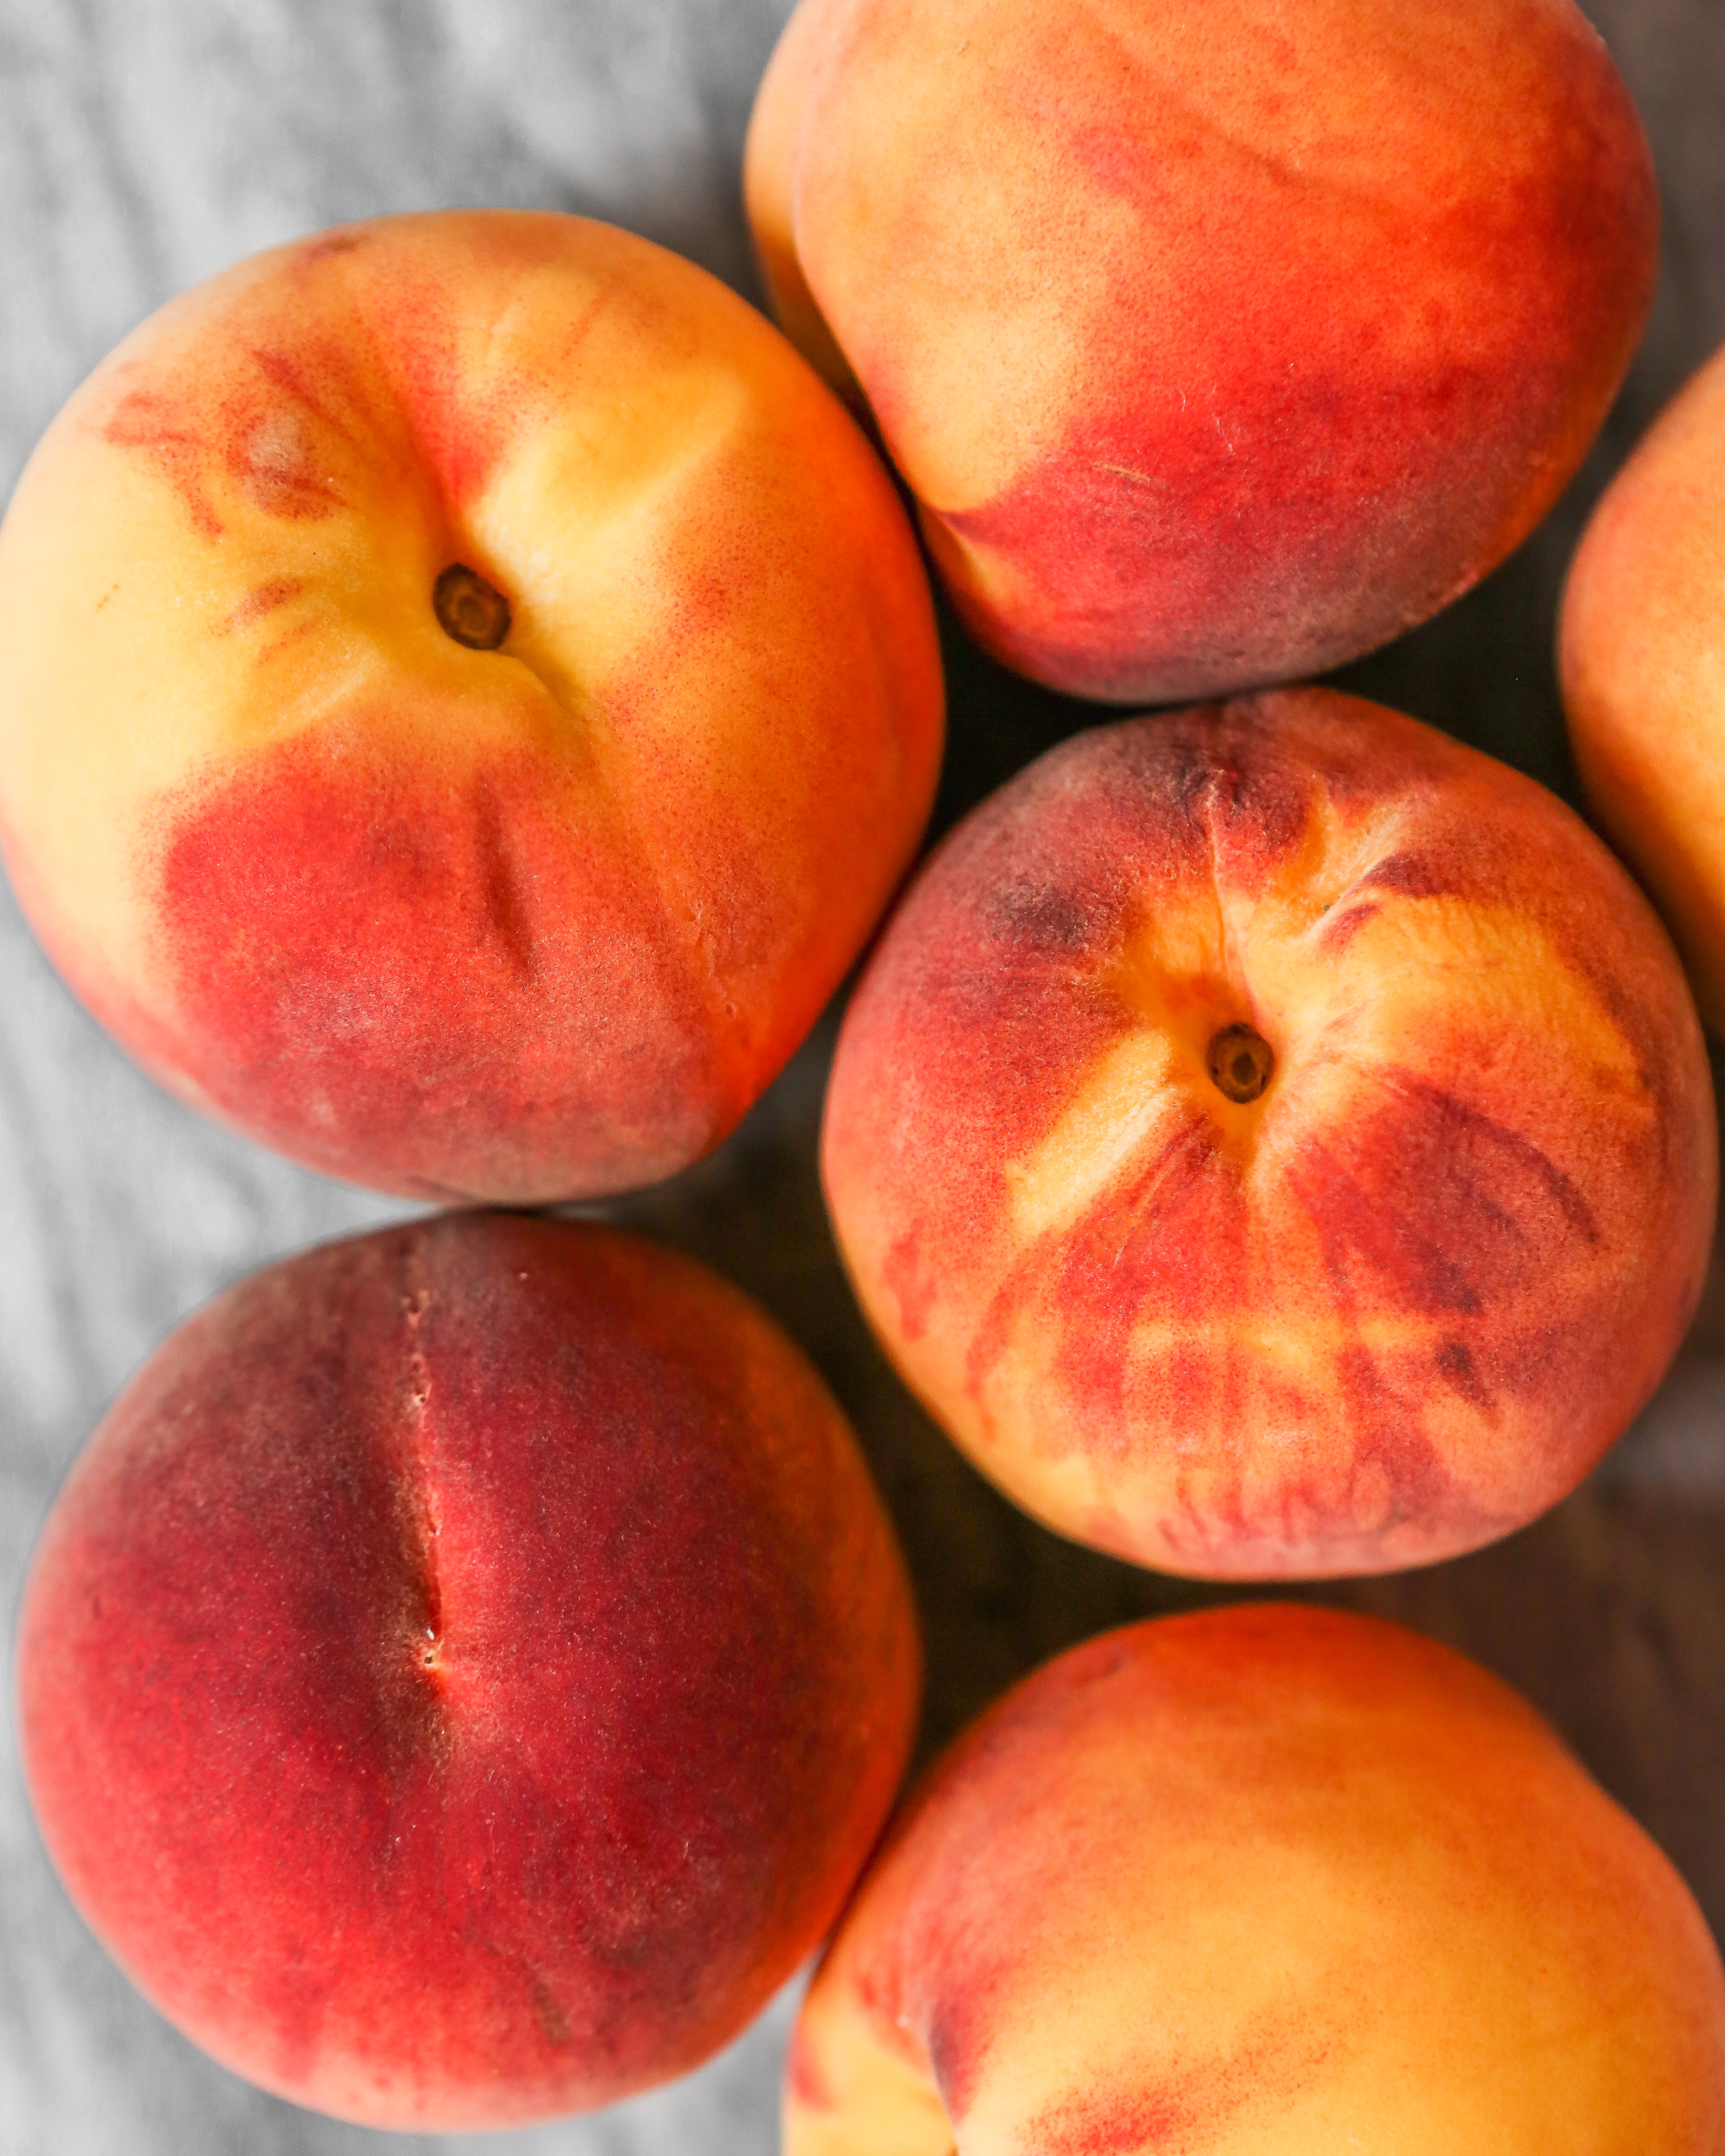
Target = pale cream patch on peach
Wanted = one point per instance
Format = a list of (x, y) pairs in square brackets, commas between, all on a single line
[(91, 701), (1180, 975), (991, 345), (1131, 1103), (879, 2095), (573, 525)]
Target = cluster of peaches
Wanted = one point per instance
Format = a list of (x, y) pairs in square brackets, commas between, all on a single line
[(469, 692)]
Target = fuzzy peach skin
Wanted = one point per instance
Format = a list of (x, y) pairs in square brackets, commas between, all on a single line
[(1394, 1305), (1218, 344), (523, 923), (1641, 651), (466, 1671), (1267, 1881)]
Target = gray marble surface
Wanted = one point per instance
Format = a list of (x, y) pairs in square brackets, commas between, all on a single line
[(142, 147)]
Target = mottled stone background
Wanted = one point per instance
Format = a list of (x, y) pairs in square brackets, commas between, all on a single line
[(143, 147)]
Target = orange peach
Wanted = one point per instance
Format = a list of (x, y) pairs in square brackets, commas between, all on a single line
[(1642, 656), (1275, 1140), (1218, 344), (466, 1671), (466, 692), (1263, 1882)]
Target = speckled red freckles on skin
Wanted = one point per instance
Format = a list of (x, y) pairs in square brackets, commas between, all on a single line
[(1171, 2114), (1299, 508), (1447, 1267), (1240, 1877), (1007, 1844), (377, 966), (436, 1683), (1303, 410), (436, 981), (1476, 1215), (305, 416), (628, 916)]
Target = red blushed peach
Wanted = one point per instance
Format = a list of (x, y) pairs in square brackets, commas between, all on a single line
[(466, 692), (1642, 655), (466, 1671), (1275, 1140), (1218, 344), (1263, 1882)]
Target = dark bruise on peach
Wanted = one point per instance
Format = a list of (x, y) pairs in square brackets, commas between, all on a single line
[(574, 1792)]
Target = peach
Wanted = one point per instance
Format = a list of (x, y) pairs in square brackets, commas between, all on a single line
[(1218, 344), (466, 692), (1264, 1881), (1642, 658), (465, 1672), (1275, 1140)]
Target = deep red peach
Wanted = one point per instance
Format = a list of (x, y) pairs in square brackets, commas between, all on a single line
[(1218, 344), (1275, 1140), (466, 692), (1263, 1882), (465, 1672)]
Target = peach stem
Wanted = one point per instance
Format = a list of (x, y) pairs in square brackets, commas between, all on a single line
[(1241, 1062), (469, 608)]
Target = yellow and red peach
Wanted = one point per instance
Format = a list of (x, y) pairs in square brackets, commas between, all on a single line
[(466, 692), (467, 1671), (1218, 344), (1642, 656), (1276, 1139), (1267, 1881)]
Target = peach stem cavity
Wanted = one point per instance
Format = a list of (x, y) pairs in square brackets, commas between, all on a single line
[(1241, 1062), (471, 608)]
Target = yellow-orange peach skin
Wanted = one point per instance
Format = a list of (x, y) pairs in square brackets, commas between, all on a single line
[(1275, 1140), (1218, 343), (1642, 656), (1263, 1882), (466, 692)]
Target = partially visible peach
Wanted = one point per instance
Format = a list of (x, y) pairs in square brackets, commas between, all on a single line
[(466, 1671), (1642, 656), (1266, 1881), (1275, 1140), (466, 692), (1218, 343)]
